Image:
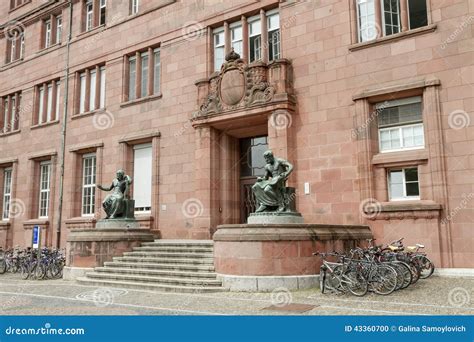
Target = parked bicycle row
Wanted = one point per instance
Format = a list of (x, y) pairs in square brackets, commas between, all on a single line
[(31, 264), (376, 268)]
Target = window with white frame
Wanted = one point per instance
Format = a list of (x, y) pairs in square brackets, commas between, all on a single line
[(48, 102), (59, 29), (255, 39), (88, 184), (236, 37), (142, 173), (219, 48), (403, 184), (47, 33), (390, 16), (133, 6), (366, 20), (143, 77), (45, 189), (89, 15), (7, 192), (102, 12), (91, 86), (10, 108), (400, 124), (273, 25)]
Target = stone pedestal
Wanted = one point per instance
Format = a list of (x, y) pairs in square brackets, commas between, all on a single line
[(129, 223), (263, 257), (88, 248), (275, 218)]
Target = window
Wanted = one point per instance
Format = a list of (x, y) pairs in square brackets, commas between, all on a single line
[(144, 70), (102, 12), (47, 33), (273, 24), (7, 192), (91, 89), (390, 17), (400, 124), (45, 186), (17, 3), (255, 39), (59, 29), (48, 102), (366, 20), (133, 6), (88, 184), (10, 112), (417, 14), (89, 15), (219, 48), (403, 184), (142, 168), (236, 37)]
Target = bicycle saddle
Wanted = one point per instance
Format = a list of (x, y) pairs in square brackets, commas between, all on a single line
[(395, 248)]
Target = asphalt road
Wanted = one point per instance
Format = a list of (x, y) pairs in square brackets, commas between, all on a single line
[(433, 296)]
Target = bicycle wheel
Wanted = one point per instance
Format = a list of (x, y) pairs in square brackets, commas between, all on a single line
[(425, 266), (383, 279), (25, 272), (399, 272), (407, 276), (40, 271), (415, 272), (3, 266), (333, 279), (322, 278), (355, 282)]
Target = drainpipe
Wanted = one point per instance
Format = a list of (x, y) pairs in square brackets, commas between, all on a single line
[(62, 152)]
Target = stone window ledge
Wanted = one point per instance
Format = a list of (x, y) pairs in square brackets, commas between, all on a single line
[(141, 137), (89, 113), (49, 49), (141, 100), (393, 37), (404, 158), (401, 210), (44, 223), (4, 225), (90, 146), (45, 124), (10, 133)]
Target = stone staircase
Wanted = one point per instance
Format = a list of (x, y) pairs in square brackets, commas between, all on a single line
[(163, 265)]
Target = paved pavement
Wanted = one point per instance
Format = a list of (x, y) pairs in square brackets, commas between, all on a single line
[(434, 296)]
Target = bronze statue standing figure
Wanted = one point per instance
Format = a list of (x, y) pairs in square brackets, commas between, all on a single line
[(114, 203), (270, 190)]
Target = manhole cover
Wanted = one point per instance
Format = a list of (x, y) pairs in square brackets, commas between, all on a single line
[(300, 308)]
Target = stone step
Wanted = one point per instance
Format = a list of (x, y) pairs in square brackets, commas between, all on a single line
[(174, 249), (180, 243), (186, 261), (160, 266), (148, 286), (152, 272), (153, 279), (147, 254)]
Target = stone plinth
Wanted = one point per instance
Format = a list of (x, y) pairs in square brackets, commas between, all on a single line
[(128, 223), (275, 218), (262, 257), (88, 248)]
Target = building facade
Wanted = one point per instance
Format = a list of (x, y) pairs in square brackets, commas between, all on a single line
[(372, 101)]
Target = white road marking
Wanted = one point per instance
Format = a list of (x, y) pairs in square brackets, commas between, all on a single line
[(116, 304)]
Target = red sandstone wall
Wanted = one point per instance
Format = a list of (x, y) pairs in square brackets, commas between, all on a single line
[(315, 36)]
